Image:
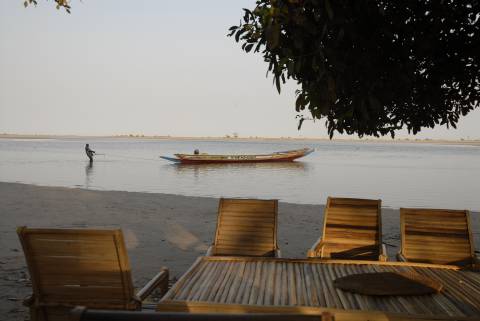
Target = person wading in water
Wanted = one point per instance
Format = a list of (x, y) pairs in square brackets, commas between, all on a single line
[(89, 152)]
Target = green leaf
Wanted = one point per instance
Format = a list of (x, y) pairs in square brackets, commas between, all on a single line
[(238, 34), (273, 35), (248, 47), (277, 83), (328, 7), (300, 103), (300, 122)]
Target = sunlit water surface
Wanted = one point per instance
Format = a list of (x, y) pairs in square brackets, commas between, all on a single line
[(401, 174)]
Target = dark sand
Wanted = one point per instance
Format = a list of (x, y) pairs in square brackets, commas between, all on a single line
[(160, 230)]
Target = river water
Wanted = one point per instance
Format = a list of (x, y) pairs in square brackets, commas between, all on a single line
[(401, 174)]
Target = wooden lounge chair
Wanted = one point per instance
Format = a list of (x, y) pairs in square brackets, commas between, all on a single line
[(246, 227), (436, 236), (70, 267), (352, 230)]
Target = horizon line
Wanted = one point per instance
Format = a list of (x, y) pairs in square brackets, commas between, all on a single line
[(231, 137)]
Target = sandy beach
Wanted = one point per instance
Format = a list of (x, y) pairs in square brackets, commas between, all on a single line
[(160, 230)]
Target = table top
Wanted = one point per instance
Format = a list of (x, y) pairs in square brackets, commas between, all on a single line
[(248, 284)]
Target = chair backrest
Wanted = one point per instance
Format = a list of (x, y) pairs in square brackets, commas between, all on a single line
[(246, 227), (436, 236), (354, 225), (71, 267)]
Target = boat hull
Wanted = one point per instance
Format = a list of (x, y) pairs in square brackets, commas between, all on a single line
[(287, 156)]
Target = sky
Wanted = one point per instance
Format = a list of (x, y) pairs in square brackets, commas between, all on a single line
[(150, 67)]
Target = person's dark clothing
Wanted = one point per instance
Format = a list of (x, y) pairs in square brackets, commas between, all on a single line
[(89, 152)]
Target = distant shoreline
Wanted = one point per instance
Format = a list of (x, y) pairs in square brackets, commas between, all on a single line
[(472, 142)]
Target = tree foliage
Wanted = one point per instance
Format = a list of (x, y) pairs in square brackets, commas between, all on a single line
[(65, 4), (371, 67)]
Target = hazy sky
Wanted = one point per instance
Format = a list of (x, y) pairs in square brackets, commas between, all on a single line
[(143, 67)]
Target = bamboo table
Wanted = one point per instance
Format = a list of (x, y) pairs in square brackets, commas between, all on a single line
[(259, 285)]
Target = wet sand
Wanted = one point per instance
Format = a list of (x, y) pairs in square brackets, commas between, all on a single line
[(160, 230)]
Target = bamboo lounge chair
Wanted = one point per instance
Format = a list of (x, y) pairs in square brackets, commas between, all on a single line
[(352, 230), (437, 236), (246, 227), (70, 267)]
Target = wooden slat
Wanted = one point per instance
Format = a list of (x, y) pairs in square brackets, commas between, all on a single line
[(417, 240), (78, 267), (243, 252), (291, 285), (250, 212), (243, 284), (353, 202), (436, 236), (74, 264), (293, 282), (339, 314), (353, 223), (238, 219), (218, 284), (357, 212), (252, 299), (190, 283), (248, 204), (244, 242), (347, 236), (85, 248), (245, 297), (81, 293), (251, 233), (284, 285), (248, 236), (325, 261), (246, 227), (454, 222), (342, 220), (83, 279)]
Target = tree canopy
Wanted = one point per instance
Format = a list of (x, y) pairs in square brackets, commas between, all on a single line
[(371, 67)]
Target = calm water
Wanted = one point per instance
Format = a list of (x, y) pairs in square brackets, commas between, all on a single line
[(408, 175)]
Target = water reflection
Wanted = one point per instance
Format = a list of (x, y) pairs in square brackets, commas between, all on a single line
[(205, 168), (88, 174)]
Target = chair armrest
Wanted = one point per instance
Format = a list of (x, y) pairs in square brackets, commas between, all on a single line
[(475, 262), (210, 251), (313, 251), (383, 257), (29, 301), (76, 313), (476, 259), (401, 258), (159, 281), (277, 253)]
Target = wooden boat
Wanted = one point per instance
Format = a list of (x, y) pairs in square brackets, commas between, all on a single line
[(285, 156)]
